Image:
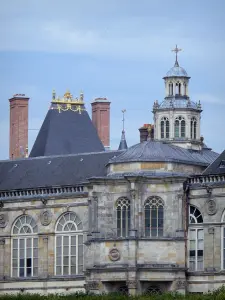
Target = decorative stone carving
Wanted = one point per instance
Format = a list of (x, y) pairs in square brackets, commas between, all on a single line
[(181, 284), (92, 285), (44, 201), (3, 220), (132, 284), (211, 230), (45, 218), (114, 254), (133, 193), (211, 206), (1, 204), (2, 242)]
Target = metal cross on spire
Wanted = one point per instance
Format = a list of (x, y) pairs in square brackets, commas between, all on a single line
[(123, 111), (176, 50)]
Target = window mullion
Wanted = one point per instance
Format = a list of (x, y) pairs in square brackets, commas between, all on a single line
[(69, 254), (77, 260), (62, 243), (157, 221), (196, 249), (18, 258), (25, 257), (32, 257)]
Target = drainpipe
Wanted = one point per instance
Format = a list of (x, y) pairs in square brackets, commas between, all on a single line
[(186, 189)]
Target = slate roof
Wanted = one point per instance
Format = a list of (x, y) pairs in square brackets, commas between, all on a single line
[(178, 102), (123, 142), (67, 132), (217, 166), (158, 151), (53, 170)]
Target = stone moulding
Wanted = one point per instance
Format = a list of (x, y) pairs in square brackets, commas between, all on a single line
[(42, 192)]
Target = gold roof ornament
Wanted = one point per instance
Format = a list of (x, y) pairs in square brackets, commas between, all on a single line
[(68, 102)]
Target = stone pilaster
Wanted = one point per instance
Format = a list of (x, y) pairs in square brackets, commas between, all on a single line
[(2, 257)]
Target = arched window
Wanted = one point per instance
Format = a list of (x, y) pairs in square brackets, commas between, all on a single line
[(123, 217), (24, 247), (154, 217), (69, 245), (179, 127), (196, 240), (193, 128), (165, 128)]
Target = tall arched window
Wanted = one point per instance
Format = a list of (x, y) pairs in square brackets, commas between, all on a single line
[(123, 217), (24, 247), (193, 128), (154, 217), (196, 240), (69, 245), (179, 127), (165, 128)]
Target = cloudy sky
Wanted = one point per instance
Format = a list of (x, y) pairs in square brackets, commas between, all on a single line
[(119, 49)]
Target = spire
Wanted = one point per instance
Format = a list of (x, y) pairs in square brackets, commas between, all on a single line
[(123, 143), (176, 50)]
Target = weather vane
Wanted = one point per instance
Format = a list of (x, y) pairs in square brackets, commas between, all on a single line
[(176, 50), (123, 111)]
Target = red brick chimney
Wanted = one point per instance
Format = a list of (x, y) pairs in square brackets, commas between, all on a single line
[(18, 136), (101, 119)]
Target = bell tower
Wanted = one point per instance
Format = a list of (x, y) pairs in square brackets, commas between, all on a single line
[(177, 118)]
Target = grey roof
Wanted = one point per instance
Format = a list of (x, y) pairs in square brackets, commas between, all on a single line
[(123, 142), (217, 166), (165, 152), (66, 132), (178, 102), (53, 170), (176, 71)]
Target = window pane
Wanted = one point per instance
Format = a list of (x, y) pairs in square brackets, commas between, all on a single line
[(58, 270), (65, 270), (66, 260), (73, 270), (73, 240), (192, 245), (200, 234), (73, 261)]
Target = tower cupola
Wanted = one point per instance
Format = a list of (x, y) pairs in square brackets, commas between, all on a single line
[(177, 118)]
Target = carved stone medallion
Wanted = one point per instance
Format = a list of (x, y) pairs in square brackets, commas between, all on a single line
[(3, 220), (45, 217), (211, 206), (180, 284), (114, 254)]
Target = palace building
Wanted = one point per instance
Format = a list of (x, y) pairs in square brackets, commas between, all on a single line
[(76, 216)]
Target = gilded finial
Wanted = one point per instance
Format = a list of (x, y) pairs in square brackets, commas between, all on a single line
[(26, 151)]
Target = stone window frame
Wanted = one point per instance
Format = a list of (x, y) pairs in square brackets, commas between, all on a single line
[(24, 247), (69, 245), (223, 241), (165, 128), (193, 128), (195, 240), (123, 216), (180, 124), (158, 203)]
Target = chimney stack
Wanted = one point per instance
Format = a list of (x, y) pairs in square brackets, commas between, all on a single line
[(101, 119), (18, 136), (144, 132)]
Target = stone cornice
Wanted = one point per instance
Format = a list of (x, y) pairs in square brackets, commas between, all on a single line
[(42, 192)]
